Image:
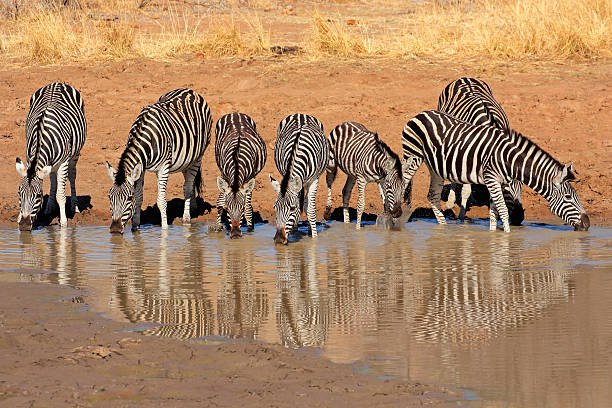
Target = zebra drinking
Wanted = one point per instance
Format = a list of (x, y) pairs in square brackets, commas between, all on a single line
[(240, 154), (365, 159), (301, 153), (463, 153), (471, 100), (55, 133), (167, 137)]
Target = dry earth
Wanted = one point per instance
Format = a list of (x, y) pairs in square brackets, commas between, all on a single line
[(564, 107), (55, 353)]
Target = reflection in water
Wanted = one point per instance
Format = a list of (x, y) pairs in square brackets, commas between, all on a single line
[(521, 318)]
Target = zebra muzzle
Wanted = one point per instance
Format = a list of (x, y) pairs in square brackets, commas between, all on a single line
[(281, 237), (585, 223), (116, 227), (396, 211), (25, 224), (235, 231)]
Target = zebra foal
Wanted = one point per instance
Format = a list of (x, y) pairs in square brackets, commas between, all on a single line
[(471, 100), (55, 133), (301, 153), (167, 137), (365, 159), (463, 153), (240, 153)]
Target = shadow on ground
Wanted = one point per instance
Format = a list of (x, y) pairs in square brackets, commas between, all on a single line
[(174, 210), (44, 220)]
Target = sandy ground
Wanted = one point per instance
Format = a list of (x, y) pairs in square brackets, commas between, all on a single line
[(55, 353), (565, 108)]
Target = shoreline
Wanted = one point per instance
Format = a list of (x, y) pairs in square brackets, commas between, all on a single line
[(58, 353)]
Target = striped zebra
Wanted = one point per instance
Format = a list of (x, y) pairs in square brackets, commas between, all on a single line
[(463, 153), (365, 159), (301, 153), (240, 153), (471, 100), (167, 137), (55, 133)]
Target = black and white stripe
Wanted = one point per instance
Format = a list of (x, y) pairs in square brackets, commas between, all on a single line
[(365, 159), (471, 100), (301, 153), (167, 137), (55, 133), (463, 153), (240, 153)]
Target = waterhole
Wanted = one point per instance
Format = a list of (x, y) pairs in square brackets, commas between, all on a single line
[(518, 319)]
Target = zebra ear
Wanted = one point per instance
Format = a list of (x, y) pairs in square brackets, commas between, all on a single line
[(222, 184), (136, 171), (20, 168), (248, 186), (275, 184), (111, 172), (44, 172)]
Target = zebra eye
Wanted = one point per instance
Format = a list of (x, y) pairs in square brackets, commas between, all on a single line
[(130, 198), (292, 208), (568, 197)]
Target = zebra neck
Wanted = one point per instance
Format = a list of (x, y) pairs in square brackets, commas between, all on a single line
[(532, 166), (129, 159)]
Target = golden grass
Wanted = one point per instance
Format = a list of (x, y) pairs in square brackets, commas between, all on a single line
[(498, 29)]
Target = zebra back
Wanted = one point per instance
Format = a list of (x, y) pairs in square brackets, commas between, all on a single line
[(176, 128), (55, 126), (471, 100), (240, 152), (301, 151)]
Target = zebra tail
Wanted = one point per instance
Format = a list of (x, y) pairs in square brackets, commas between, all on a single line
[(197, 182)]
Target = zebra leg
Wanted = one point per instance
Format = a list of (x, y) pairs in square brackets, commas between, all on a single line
[(248, 210), (311, 210), (62, 175), (162, 181), (52, 201), (497, 195), (346, 197), (361, 185), (138, 188), (466, 191), (493, 216), (435, 190), (188, 193), (72, 173), (220, 206), (452, 197), (330, 177)]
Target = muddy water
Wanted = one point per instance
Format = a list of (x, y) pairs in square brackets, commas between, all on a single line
[(521, 319)]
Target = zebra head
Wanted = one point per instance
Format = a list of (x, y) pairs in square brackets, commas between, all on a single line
[(30, 194), (235, 201), (121, 197), (564, 200), (287, 208), (393, 187)]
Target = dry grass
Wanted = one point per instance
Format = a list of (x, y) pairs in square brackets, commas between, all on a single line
[(500, 29)]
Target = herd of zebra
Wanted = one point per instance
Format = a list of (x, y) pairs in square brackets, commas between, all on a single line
[(467, 140)]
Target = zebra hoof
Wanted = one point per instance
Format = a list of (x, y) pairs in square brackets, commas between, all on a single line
[(250, 228), (186, 221)]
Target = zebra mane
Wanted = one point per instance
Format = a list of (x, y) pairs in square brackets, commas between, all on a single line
[(385, 149), (519, 139), (235, 154), (287, 176), (37, 131), (120, 175)]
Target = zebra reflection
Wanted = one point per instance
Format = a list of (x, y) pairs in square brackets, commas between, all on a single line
[(301, 311)]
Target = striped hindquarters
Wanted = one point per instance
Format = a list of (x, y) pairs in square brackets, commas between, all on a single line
[(471, 100), (55, 126), (240, 152), (301, 150)]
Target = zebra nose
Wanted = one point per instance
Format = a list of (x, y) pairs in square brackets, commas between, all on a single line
[(235, 231), (281, 237), (116, 227), (25, 224), (396, 211), (585, 223)]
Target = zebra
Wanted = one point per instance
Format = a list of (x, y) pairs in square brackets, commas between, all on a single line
[(167, 137), (55, 133), (240, 153), (471, 100), (365, 159), (301, 153), (463, 153)]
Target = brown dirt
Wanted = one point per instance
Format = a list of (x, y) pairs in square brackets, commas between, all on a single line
[(56, 354), (565, 108)]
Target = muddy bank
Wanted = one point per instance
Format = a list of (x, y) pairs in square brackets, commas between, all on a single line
[(56, 353), (565, 108)]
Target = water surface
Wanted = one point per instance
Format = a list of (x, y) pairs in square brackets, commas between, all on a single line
[(521, 319)]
